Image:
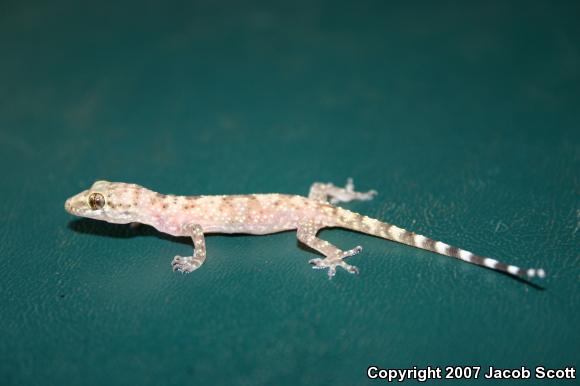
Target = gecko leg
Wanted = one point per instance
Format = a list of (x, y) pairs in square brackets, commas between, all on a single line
[(191, 263), (334, 256), (333, 194)]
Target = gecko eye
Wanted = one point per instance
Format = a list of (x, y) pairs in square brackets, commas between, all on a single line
[(96, 201)]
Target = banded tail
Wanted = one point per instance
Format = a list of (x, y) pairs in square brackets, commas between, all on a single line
[(354, 221)]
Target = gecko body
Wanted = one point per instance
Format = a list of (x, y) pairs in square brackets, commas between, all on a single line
[(259, 214)]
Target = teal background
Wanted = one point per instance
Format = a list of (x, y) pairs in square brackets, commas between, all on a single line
[(465, 118)]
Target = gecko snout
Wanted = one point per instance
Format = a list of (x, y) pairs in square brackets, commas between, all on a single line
[(70, 207), (67, 206)]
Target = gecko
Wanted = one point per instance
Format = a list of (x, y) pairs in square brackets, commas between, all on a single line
[(260, 214)]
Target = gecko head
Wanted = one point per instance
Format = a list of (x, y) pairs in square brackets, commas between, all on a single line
[(107, 201)]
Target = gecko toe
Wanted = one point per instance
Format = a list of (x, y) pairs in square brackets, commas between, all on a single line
[(331, 265), (352, 269), (355, 251), (315, 262), (184, 264), (183, 268), (331, 272)]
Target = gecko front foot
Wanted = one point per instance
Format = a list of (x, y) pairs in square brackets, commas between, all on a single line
[(332, 262), (185, 264)]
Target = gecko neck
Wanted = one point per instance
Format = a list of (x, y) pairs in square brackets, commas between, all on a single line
[(166, 213)]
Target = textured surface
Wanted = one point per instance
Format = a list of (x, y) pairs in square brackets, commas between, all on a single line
[(465, 120)]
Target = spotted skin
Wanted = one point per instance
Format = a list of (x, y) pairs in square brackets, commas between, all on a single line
[(259, 214)]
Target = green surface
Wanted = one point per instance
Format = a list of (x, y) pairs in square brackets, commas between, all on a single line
[(464, 118)]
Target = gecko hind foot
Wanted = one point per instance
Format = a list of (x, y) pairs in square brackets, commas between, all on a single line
[(332, 263), (185, 264), (349, 194)]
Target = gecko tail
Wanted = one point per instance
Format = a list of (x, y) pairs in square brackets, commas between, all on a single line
[(536, 272), (373, 227)]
